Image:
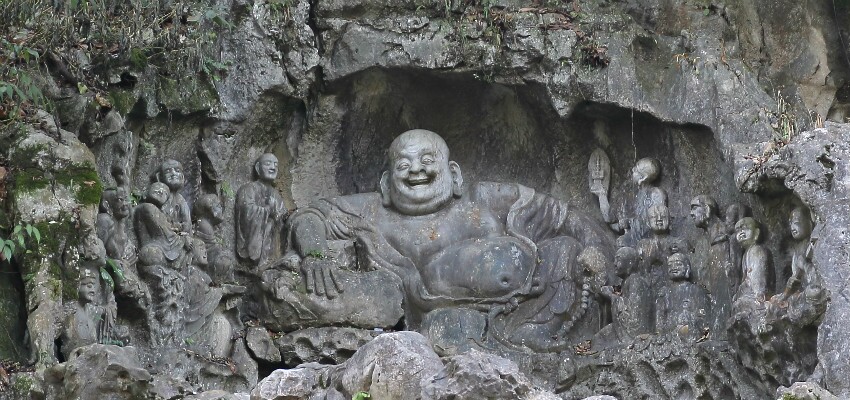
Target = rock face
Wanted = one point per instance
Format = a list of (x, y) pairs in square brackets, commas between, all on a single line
[(403, 366), (99, 371), (639, 199)]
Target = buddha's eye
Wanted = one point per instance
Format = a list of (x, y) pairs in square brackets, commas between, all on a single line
[(427, 160), (402, 166)]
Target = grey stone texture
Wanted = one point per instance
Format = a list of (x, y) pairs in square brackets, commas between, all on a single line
[(730, 98)]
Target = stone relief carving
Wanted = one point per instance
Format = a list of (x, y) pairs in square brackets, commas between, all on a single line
[(599, 176), (805, 286), (631, 308), (91, 319), (682, 306), (487, 266), (755, 264), (259, 213), (645, 174), (112, 230), (497, 263), (175, 206), (208, 214), (716, 270)]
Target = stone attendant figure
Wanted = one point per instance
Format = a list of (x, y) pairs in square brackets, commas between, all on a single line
[(734, 213), (599, 176), (755, 263), (657, 245), (496, 255), (159, 242), (804, 295), (162, 260), (91, 318), (114, 210), (259, 213), (682, 306), (175, 207), (645, 174), (716, 268), (208, 214), (631, 306)]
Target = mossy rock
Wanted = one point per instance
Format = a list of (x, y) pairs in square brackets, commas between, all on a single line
[(123, 100), (187, 95)]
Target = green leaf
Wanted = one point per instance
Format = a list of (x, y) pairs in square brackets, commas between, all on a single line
[(21, 240), (115, 268), (29, 229), (106, 277), (37, 235), (361, 396), (7, 253), (82, 88), (16, 230)]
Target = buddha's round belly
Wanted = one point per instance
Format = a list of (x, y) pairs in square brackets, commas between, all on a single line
[(479, 268)]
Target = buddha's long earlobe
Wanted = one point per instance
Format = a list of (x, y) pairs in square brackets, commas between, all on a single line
[(457, 179), (385, 189)]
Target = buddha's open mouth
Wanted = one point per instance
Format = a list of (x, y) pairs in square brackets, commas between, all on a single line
[(413, 182)]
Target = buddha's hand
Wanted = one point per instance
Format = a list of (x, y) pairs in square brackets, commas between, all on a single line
[(320, 276)]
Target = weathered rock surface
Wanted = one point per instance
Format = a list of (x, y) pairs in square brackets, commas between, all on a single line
[(402, 365), (804, 391), (522, 91), (260, 343), (478, 375), (814, 166), (99, 371), (325, 345)]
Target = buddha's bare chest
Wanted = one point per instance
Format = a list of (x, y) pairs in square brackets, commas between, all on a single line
[(420, 238)]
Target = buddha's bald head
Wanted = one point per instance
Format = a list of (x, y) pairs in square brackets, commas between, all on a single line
[(420, 178), (418, 138)]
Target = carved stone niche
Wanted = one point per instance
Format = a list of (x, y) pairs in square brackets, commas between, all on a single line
[(534, 148)]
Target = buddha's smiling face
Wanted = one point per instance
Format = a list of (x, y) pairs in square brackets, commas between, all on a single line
[(420, 175)]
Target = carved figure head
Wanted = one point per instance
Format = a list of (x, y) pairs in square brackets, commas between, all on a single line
[(157, 194), (208, 207), (89, 289), (702, 208), (626, 261), (678, 245), (421, 179), (678, 267), (266, 167), (734, 213), (747, 232), (171, 173), (801, 223), (659, 218), (114, 202), (646, 170), (199, 253)]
